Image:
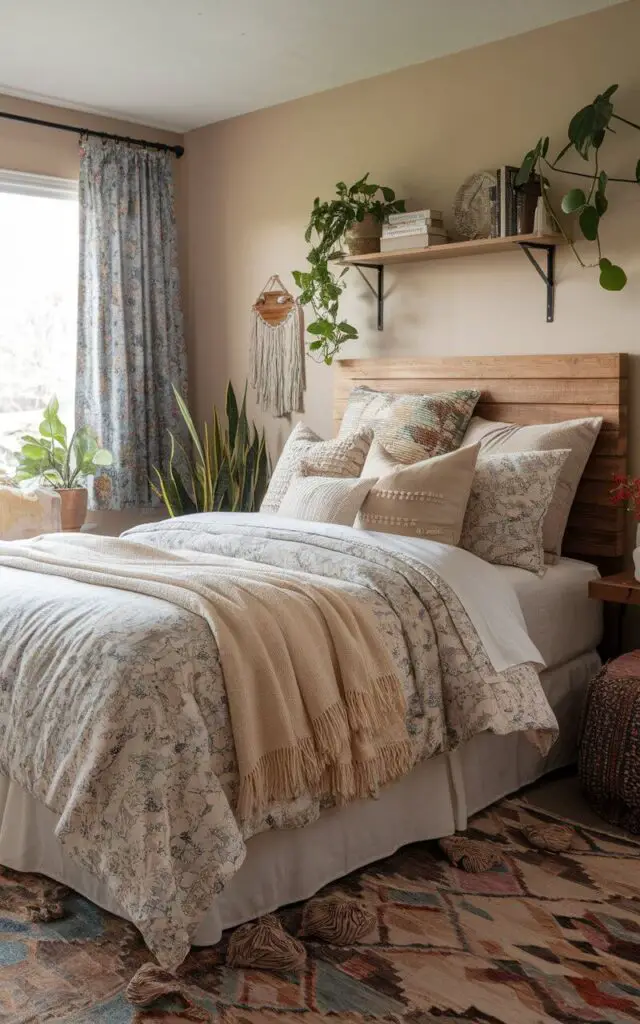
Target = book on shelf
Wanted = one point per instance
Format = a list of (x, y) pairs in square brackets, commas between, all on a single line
[(416, 227), (411, 215), (416, 241), (506, 213), (514, 206)]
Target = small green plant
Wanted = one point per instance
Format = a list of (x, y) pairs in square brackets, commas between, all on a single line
[(50, 459), (321, 288), (587, 131), (228, 470)]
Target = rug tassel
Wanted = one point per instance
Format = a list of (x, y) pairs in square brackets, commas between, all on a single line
[(151, 982)]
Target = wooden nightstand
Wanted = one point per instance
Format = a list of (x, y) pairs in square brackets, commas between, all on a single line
[(619, 590)]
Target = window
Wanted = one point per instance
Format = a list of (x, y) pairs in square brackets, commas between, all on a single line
[(38, 303)]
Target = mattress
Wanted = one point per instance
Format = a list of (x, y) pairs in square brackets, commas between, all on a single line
[(562, 620), (283, 867)]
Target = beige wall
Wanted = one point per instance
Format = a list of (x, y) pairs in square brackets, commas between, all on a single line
[(40, 150), (422, 130)]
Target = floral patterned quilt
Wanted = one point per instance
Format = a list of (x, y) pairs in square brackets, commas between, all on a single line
[(113, 710)]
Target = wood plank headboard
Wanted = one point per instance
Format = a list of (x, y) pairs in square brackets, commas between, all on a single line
[(531, 389)]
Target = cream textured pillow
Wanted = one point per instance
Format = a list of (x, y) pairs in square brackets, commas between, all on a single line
[(579, 436), (365, 408), (427, 499), (344, 457), (510, 496), (325, 499)]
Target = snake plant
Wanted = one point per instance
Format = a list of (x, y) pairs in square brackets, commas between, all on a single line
[(227, 470)]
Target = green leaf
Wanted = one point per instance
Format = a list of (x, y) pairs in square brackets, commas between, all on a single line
[(586, 128), (573, 200), (231, 406), (601, 203), (388, 194), (314, 345), (638, 172), (102, 457), (602, 181), (526, 168), (608, 93), (52, 426), (612, 277), (33, 451), (545, 146), (589, 220)]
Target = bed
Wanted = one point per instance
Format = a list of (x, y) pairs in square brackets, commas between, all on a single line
[(287, 865)]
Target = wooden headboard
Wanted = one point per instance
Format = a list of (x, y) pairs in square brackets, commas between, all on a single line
[(531, 389)]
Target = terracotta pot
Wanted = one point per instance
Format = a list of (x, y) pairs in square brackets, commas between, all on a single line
[(364, 236), (73, 507)]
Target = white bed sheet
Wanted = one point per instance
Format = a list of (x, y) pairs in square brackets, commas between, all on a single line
[(562, 620), (287, 866)]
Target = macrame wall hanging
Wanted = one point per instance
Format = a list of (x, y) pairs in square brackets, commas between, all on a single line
[(276, 356)]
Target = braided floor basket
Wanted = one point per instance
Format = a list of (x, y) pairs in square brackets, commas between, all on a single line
[(609, 751)]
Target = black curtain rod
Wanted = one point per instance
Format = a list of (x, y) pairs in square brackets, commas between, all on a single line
[(162, 146)]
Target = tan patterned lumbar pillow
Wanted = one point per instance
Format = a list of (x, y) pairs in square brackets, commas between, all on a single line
[(510, 496), (324, 499), (343, 457), (579, 436), (427, 499)]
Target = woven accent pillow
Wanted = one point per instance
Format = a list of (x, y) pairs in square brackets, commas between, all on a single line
[(427, 499), (344, 457), (324, 499), (578, 436), (411, 427), (420, 426), (510, 496)]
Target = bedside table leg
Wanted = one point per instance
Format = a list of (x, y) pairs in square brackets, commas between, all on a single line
[(613, 638)]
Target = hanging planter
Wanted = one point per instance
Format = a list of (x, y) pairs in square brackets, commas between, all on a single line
[(353, 219)]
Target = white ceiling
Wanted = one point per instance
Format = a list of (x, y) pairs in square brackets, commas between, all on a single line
[(183, 63)]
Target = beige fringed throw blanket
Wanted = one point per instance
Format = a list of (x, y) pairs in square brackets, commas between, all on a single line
[(315, 704)]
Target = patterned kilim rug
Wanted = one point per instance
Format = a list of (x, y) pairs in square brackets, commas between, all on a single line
[(544, 937)]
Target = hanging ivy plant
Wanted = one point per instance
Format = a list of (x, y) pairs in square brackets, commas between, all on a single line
[(587, 131), (321, 286)]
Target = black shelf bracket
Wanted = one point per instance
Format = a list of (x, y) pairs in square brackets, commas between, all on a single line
[(547, 277), (377, 292)]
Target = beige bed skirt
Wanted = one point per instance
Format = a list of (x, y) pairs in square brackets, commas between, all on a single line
[(282, 867)]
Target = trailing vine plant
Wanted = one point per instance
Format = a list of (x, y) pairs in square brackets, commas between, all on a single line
[(587, 131), (321, 286)]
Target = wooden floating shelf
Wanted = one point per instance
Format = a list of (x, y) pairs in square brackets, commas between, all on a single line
[(474, 247), (527, 244)]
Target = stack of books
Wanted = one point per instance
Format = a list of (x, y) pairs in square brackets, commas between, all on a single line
[(415, 230)]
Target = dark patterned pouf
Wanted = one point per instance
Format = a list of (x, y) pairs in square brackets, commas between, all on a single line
[(609, 751)]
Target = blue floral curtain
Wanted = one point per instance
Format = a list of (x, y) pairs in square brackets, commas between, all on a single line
[(130, 337)]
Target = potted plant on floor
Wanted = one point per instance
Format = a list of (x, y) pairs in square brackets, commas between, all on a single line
[(227, 469), (63, 466)]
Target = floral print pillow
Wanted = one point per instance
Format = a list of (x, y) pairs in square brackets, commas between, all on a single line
[(510, 496)]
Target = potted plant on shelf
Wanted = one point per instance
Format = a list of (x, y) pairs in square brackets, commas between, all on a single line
[(228, 470), (353, 219), (63, 466), (587, 131)]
